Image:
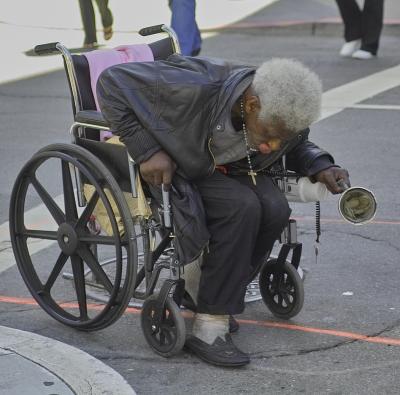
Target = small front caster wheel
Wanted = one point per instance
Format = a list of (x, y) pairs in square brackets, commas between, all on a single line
[(281, 288), (168, 336)]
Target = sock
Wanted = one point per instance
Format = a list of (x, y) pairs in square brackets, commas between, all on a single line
[(192, 275), (208, 327)]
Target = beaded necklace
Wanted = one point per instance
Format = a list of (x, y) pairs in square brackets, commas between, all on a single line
[(251, 173)]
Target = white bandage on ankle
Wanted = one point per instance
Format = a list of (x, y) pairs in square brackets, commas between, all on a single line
[(191, 276), (208, 327)]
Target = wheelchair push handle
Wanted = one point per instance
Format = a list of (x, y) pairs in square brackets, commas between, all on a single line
[(148, 31), (166, 206), (45, 49)]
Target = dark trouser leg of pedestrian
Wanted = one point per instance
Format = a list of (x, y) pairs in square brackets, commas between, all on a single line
[(372, 23), (352, 19), (106, 18), (88, 21)]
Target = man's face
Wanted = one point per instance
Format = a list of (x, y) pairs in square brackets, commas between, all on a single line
[(262, 136)]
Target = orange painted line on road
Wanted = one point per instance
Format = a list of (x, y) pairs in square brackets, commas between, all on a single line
[(268, 324), (331, 332), (341, 221), (32, 302)]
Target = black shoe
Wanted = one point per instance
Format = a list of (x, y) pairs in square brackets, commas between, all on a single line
[(220, 353)]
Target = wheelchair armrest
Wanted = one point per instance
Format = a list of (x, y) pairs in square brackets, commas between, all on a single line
[(91, 117)]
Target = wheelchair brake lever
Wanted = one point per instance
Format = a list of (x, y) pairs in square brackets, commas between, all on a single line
[(166, 207)]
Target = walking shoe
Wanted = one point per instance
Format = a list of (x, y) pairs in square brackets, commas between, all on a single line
[(108, 32), (220, 353), (349, 48), (188, 303), (362, 55), (90, 45)]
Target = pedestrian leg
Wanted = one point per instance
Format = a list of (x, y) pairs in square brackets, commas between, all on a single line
[(183, 21), (352, 19), (372, 23), (106, 18), (89, 22)]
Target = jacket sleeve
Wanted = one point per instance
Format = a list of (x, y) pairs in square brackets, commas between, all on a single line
[(122, 118), (308, 159)]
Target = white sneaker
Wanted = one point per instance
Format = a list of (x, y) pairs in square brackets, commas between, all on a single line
[(363, 55), (349, 48)]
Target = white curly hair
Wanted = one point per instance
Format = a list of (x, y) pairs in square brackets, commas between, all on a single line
[(289, 93)]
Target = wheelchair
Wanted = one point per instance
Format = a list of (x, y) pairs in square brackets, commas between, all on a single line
[(136, 258)]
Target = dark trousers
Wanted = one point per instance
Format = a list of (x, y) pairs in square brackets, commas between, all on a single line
[(89, 20), (365, 24), (244, 221)]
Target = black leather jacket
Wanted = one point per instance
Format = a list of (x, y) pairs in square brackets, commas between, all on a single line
[(177, 104)]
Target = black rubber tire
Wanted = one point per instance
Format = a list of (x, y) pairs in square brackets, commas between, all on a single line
[(121, 286), (281, 288), (168, 339)]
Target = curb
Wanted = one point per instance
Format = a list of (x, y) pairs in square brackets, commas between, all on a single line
[(326, 26), (79, 371)]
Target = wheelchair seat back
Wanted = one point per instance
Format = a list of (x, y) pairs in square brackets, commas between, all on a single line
[(82, 82), (90, 120)]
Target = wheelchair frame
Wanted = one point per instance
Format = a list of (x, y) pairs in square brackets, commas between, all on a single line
[(163, 326)]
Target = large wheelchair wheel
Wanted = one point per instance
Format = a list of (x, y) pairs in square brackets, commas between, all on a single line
[(281, 288), (168, 337), (61, 231)]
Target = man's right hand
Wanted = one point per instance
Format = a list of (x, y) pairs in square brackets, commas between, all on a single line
[(158, 170)]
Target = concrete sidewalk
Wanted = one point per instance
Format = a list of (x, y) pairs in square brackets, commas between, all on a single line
[(35, 365), (45, 21)]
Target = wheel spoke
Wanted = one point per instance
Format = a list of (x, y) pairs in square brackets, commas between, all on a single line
[(97, 239), (55, 272), (79, 280), (94, 265), (40, 234), (169, 334), (286, 299), (69, 197), (49, 202), (87, 212), (291, 292), (162, 337)]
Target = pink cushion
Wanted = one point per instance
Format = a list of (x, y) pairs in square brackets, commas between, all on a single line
[(101, 59)]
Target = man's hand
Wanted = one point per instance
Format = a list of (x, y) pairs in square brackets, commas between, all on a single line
[(334, 178), (158, 170)]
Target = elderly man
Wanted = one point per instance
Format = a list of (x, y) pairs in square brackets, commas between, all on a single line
[(217, 125)]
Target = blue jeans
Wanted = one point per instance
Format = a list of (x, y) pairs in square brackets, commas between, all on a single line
[(183, 21)]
